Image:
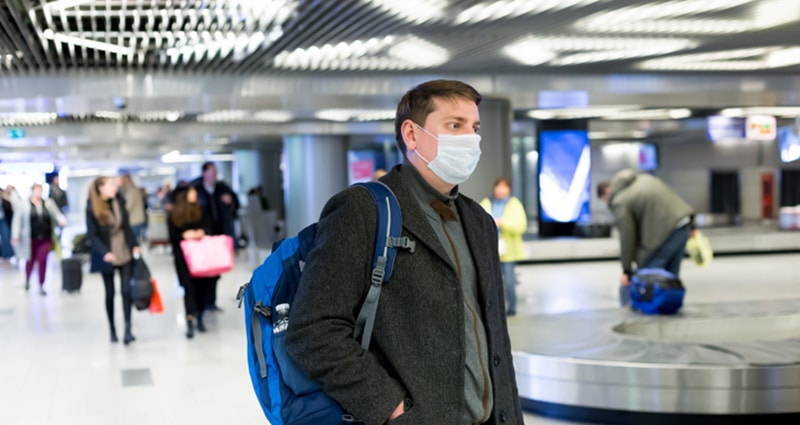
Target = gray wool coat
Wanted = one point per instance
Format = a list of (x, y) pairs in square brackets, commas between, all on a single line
[(418, 348), (21, 225)]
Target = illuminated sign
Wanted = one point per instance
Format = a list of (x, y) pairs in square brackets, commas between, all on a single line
[(761, 127), (722, 128), (15, 133)]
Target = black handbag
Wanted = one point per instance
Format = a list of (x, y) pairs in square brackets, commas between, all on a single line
[(141, 285)]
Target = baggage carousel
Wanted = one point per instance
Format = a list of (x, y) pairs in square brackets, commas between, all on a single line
[(716, 363)]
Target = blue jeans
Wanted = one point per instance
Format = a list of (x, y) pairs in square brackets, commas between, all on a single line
[(670, 254), (668, 257), (139, 231), (6, 251), (510, 282)]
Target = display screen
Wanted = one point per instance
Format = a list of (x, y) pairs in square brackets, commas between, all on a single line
[(648, 157), (564, 175), (789, 144)]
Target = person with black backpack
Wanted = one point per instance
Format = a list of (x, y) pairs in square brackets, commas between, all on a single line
[(439, 351)]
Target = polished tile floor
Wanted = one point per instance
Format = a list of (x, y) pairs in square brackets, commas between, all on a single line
[(58, 367)]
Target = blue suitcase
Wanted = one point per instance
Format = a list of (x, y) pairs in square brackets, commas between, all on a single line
[(656, 291)]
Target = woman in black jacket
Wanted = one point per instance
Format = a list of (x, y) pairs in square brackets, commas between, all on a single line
[(113, 246), (187, 221)]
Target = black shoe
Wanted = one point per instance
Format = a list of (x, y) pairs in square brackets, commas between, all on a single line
[(114, 338), (27, 285), (200, 326), (41, 292), (189, 329), (128, 336)]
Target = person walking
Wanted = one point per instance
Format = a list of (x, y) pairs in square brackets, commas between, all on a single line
[(654, 224), (134, 203), (6, 251), (440, 350), (58, 195), (219, 206), (187, 222), (32, 231), (511, 220), (113, 247)]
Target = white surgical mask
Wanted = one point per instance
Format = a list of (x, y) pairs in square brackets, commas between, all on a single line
[(457, 158)]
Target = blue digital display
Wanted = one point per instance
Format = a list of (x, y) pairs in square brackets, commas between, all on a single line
[(789, 144), (648, 157), (564, 175)]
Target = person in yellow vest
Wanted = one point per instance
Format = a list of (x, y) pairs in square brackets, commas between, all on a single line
[(511, 220)]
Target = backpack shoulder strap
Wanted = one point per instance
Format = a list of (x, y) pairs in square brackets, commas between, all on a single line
[(387, 240)]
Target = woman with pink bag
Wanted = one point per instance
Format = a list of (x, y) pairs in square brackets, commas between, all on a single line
[(186, 221)]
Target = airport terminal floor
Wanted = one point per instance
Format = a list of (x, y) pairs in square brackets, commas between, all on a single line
[(58, 366)]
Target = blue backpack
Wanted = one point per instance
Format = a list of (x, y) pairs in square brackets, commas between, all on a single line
[(656, 291), (286, 394)]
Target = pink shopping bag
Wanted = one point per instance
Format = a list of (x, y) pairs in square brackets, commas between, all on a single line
[(208, 257)]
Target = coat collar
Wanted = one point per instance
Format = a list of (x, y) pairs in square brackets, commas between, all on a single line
[(414, 219)]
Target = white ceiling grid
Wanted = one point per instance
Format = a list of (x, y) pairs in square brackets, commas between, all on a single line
[(238, 37)]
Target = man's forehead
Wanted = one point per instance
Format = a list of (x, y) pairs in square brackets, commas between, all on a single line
[(452, 107)]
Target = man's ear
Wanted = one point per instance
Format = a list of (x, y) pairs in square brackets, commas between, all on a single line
[(409, 135)]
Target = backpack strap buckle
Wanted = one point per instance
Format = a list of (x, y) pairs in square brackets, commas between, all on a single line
[(404, 243), (379, 272)]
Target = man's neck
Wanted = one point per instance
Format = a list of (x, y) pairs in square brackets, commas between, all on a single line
[(435, 181)]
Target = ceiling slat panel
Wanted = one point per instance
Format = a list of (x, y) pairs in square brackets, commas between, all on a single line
[(242, 37)]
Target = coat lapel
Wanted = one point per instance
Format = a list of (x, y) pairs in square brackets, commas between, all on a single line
[(478, 242), (414, 219)]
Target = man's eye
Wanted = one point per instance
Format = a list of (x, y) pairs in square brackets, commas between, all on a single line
[(477, 130)]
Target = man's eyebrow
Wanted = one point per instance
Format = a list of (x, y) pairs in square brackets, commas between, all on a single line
[(459, 119)]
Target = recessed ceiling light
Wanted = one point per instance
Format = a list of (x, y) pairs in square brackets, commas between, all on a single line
[(505, 9), (344, 115), (385, 53), (728, 60), (414, 11), (560, 51)]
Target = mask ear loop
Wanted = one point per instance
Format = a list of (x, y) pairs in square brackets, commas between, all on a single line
[(416, 151)]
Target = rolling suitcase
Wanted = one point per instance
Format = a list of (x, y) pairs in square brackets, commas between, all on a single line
[(71, 274)]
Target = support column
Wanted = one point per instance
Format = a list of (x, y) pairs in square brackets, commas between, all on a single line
[(315, 168), (496, 118)]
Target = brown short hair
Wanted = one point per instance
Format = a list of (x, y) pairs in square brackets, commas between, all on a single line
[(601, 188), (502, 180), (417, 103)]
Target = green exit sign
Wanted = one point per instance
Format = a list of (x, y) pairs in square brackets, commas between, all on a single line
[(15, 133)]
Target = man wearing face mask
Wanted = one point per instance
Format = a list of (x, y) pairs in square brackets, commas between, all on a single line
[(440, 352)]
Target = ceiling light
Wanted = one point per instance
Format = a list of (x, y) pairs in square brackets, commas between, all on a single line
[(176, 157), (223, 116), (273, 116), (778, 111), (27, 118), (90, 44), (649, 114), (109, 115), (385, 53), (662, 18), (505, 9), (27, 167), (617, 135), (414, 11), (579, 113), (535, 50), (344, 115), (65, 4), (728, 60)]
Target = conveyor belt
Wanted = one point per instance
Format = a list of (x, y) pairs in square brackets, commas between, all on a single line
[(726, 360)]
